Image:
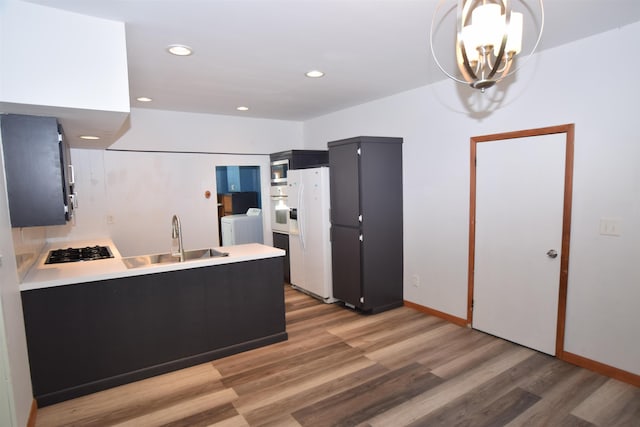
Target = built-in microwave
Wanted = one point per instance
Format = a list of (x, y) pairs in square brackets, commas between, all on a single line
[(284, 161), (279, 169)]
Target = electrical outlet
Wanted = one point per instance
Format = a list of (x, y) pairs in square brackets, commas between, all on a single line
[(110, 219), (415, 280), (610, 226)]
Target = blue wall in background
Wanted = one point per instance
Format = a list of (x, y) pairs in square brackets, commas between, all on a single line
[(230, 179)]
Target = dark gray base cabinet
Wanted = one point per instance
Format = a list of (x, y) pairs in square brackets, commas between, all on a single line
[(366, 222), (281, 241), (87, 337)]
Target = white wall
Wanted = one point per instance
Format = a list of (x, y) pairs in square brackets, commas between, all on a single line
[(7, 414), (62, 59), (132, 195), (158, 130), (563, 85), (89, 219), (146, 189), (13, 344)]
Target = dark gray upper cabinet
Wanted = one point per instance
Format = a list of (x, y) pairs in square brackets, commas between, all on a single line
[(345, 184), (302, 159), (35, 158), (366, 222)]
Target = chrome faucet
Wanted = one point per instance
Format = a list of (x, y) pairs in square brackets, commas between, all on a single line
[(176, 234)]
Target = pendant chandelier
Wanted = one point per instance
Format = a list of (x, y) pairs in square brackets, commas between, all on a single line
[(489, 36)]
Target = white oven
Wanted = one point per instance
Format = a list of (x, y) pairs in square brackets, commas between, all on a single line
[(279, 209)]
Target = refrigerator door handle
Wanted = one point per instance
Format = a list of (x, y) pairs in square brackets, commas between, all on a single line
[(301, 214)]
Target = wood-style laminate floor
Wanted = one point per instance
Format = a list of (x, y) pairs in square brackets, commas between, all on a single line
[(341, 368)]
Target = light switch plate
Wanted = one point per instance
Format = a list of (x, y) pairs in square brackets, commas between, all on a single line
[(610, 226)]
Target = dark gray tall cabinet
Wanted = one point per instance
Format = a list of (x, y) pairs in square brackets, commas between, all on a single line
[(366, 222)]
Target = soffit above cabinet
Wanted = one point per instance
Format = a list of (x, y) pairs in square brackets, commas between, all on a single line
[(67, 65), (107, 125)]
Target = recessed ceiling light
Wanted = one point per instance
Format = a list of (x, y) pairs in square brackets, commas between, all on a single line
[(242, 108), (179, 50), (314, 74), (144, 99), (89, 137)]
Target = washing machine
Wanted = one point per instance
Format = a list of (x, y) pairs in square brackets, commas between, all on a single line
[(242, 228)]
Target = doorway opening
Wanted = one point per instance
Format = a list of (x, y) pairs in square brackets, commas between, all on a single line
[(238, 190)]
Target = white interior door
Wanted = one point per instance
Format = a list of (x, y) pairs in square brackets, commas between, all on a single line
[(518, 237)]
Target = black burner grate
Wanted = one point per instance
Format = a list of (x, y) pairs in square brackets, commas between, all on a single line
[(88, 253)]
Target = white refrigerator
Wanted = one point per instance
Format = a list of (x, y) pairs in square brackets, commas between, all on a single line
[(309, 228)]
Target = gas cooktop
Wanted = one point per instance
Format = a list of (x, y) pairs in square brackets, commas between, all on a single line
[(89, 253)]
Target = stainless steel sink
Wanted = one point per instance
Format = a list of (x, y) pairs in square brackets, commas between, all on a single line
[(168, 258), (203, 253)]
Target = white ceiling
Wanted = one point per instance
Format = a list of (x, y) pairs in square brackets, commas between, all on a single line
[(255, 52)]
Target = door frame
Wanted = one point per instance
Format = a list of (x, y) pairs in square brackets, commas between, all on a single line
[(569, 130)]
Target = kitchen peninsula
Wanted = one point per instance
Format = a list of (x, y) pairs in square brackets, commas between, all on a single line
[(98, 324)]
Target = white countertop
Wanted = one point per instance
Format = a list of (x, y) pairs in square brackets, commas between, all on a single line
[(43, 275)]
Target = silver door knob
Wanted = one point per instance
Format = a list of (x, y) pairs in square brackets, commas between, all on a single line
[(552, 253)]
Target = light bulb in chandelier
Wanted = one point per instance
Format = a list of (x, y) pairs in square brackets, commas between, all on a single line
[(488, 38)]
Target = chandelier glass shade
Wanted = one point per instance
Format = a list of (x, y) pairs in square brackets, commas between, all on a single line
[(489, 35)]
